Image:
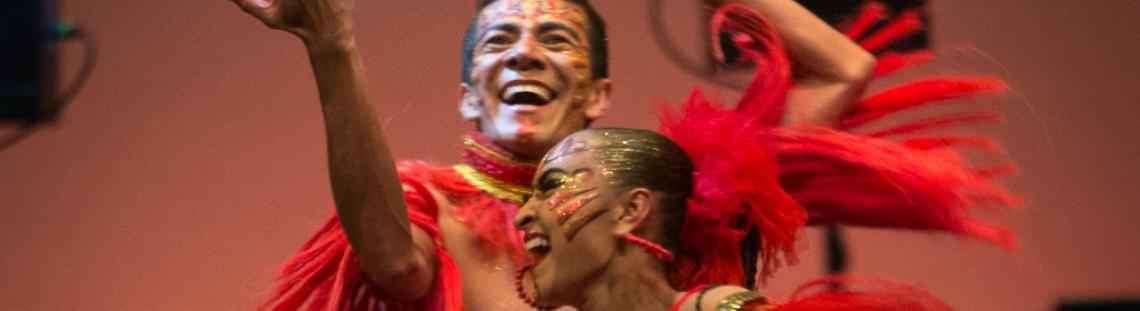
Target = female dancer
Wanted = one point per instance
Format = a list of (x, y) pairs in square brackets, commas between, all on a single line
[(621, 220), (627, 220)]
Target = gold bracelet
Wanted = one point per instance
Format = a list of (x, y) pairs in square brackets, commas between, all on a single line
[(736, 301)]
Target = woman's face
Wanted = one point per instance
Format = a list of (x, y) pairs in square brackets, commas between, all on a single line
[(569, 220)]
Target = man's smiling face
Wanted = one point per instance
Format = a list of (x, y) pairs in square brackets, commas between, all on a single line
[(530, 82)]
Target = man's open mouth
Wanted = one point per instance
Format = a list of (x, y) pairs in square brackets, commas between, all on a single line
[(526, 93)]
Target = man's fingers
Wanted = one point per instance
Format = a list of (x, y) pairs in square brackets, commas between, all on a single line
[(257, 8), (263, 10)]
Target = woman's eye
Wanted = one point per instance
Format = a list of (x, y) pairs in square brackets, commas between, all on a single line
[(550, 183)]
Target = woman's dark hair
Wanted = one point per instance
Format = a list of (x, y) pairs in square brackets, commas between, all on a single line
[(644, 159), (595, 34)]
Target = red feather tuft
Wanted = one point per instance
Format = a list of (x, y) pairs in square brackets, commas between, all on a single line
[(942, 121), (919, 93), (735, 188), (891, 62), (839, 178), (880, 294), (872, 13), (842, 178), (904, 25), (764, 98)]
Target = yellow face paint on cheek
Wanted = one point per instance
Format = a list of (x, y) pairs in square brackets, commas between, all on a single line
[(570, 198), (579, 218), (568, 204)]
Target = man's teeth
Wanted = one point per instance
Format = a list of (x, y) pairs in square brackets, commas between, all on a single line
[(537, 243), (542, 92)]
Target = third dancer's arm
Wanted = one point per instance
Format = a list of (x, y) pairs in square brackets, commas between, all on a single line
[(829, 69)]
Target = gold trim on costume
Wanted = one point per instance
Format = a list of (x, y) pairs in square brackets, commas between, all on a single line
[(483, 149), (736, 301), (500, 189)]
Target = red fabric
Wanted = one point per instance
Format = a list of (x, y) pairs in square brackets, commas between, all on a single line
[(488, 216), (891, 62), (918, 93), (735, 188), (839, 177), (736, 179), (764, 98), (325, 275), (915, 182), (872, 13), (878, 295), (904, 25)]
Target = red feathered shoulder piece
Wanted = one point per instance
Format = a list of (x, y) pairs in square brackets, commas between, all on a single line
[(324, 274)]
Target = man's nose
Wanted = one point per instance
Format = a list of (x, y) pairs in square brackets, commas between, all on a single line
[(525, 56)]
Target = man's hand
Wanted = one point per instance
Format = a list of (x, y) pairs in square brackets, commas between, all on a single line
[(316, 22)]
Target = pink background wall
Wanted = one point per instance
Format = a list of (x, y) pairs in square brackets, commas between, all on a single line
[(193, 160)]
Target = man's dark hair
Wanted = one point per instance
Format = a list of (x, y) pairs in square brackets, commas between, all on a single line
[(596, 35)]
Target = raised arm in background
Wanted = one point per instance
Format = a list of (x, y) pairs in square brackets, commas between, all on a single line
[(830, 70)]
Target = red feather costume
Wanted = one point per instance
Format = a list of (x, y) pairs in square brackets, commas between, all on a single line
[(325, 275), (831, 176), (836, 176)]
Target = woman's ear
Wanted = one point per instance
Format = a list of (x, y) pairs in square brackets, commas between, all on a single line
[(633, 210)]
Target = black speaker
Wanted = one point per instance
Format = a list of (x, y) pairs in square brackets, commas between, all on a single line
[(28, 60), (1104, 305), (838, 12)]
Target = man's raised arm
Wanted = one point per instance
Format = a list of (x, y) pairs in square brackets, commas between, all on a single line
[(830, 70), (369, 197)]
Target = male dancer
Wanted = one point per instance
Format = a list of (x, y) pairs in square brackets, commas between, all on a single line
[(535, 71)]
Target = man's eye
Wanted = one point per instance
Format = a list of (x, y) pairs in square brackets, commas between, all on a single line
[(553, 40), (497, 40)]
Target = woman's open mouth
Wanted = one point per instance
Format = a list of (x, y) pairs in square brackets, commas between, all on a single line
[(537, 245)]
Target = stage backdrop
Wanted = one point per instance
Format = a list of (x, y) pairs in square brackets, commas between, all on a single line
[(193, 161)]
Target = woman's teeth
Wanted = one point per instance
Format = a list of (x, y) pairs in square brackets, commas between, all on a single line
[(537, 244)]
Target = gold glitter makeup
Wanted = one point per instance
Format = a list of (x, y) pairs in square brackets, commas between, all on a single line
[(624, 158), (569, 196), (564, 148)]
